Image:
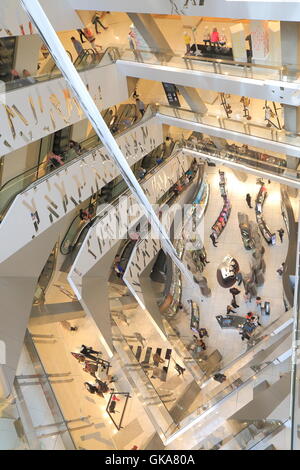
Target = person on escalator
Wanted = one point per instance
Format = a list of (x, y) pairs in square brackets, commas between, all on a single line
[(140, 106), (55, 160), (78, 46)]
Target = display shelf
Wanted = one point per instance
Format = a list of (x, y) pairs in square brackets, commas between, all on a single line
[(223, 218), (264, 229), (195, 316)]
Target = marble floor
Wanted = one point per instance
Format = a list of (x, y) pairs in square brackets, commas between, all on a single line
[(228, 342)]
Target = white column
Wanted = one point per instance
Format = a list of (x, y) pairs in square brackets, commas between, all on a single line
[(238, 42), (274, 56), (27, 53)]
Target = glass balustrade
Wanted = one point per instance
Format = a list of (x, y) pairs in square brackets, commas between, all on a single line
[(79, 228), (88, 60), (177, 59), (237, 126), (127, 119)]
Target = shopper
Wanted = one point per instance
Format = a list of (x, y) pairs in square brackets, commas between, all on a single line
[(281, 269), (239, 278), (229, 310), (89, 352), (55, 160), (213, 239), (215, 37), (234, 291), (281, 233), (157, 359), (81, 35), (249, 315), (179, 369), (141, 172), (187, 40), (77, 45), (140, 106), (202, 333), (97, 21), (248, 200), (219, 378), (140, 338), (258, 302), (91, 38)]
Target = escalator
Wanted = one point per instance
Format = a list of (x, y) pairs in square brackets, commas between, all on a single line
[(45, 277)]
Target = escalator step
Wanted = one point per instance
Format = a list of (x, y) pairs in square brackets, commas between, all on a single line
[(138, 353), (168, 354), (147, 356)]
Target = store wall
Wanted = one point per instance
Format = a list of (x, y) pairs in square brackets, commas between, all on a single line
[(49, 106), (27, 54), (41, 207), (19, 161)]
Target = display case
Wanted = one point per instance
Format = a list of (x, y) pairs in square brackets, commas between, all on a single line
[(195, 316), (264, 229)]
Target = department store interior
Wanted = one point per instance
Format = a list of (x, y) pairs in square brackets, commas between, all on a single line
[(115, 336)]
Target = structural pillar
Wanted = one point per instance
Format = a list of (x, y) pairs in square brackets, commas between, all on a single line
[(149, 35), (238, 41), (27, 54), (292, 124), (193, 99)]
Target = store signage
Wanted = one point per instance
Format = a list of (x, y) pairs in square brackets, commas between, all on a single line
[(171, 94)]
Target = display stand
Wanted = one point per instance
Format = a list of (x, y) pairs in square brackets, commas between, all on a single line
[(222, 220), (264, 229), (231, 321), (195, 316)]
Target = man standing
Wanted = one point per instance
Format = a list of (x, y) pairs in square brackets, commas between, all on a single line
[(280, 233), (234, 291), (248, 200), (213, 239), (187, 39)]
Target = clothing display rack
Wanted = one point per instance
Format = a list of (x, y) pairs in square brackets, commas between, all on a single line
[(195, 316), (222, 220), (264, 229)]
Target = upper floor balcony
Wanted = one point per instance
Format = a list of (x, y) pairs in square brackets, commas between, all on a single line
[(53, 196), (35, 107), (250, 9)]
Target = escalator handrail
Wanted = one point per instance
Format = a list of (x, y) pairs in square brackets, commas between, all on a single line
[(63, 167), (100, 215)]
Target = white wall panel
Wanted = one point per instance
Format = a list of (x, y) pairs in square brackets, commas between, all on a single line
[(49, 106), (53, 197), (96, 244)]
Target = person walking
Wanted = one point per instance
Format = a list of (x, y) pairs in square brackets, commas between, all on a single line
[(77, 45), (281, 233), (157, 359), (187, 40), (213, 239), (239, 278), (81, 35), (248, 200), (140, 106), (234, 291), (229, 310), (97, 21), (179, 369)]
